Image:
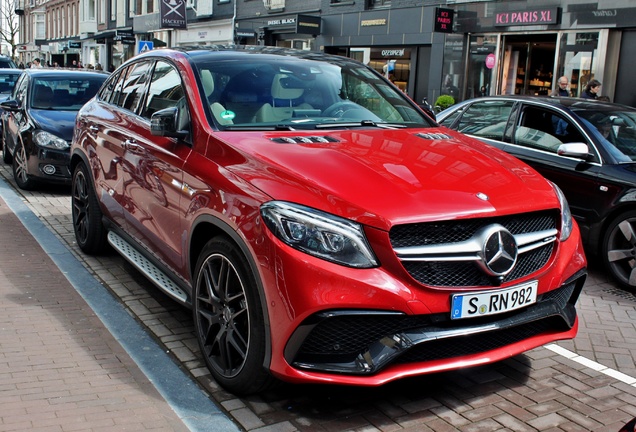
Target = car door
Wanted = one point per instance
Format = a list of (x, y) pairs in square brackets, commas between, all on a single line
[(115, 103), (15, 119), (535, 138), (154, 169)]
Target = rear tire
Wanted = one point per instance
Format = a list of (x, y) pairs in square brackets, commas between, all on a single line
[(90, 233), (228, 319)]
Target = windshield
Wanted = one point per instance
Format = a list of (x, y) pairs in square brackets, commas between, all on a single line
[(7, 82), (617, 128), (66, 94), (289, 93)]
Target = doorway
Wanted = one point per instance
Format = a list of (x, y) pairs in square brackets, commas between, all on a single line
[(528, 64)]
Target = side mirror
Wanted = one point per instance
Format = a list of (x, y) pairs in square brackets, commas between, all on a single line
[(166, 123), (10, 105), (576, 150)]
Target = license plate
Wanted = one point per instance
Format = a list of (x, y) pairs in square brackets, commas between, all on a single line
[(493, 302)]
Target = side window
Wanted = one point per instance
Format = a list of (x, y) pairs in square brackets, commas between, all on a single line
[(134, 86), (166, 90), (116, 87), (20, 89), (486, 119), (106, 92), (544, 129)]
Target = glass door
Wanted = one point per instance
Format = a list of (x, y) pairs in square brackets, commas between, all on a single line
[(527, 64), (577, 54)]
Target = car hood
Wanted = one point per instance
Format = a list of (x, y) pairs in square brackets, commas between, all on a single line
[(59, 123), (385, 177)]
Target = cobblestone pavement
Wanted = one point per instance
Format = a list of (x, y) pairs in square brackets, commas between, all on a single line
[(587, 384)]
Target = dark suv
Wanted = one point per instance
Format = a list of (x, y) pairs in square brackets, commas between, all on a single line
[(321, 227)]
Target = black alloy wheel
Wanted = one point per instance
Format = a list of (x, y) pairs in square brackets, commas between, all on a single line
[(20, 168), (87, 216), (228, 319), (619, 250)]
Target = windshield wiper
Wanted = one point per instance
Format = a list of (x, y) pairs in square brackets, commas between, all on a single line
[(363, 123), (279, 127)]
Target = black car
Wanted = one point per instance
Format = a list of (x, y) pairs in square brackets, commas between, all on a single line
[(586, 147), (6, 62), (37, 126)]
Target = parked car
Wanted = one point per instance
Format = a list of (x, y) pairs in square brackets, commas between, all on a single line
[(38, 124), (321, 227), (8, 78), (7, 62), (588, 148)]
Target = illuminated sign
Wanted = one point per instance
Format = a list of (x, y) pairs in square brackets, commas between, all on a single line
[(444, 20), (527, 17)]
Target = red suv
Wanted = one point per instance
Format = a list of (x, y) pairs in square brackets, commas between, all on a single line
[(321, 227)]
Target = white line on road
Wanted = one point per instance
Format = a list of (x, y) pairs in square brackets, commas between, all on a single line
[(592, 364)]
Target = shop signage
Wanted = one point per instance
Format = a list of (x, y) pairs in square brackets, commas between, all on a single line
[(308, 24), (74, 44), (490, 61), (373, 22), (124, 36), (245, 33), (173, 14), (528, 17), (444, 20), (281, 22)]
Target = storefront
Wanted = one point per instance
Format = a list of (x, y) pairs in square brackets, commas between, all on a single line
[(289, 31), (518, 48), (399, 43)]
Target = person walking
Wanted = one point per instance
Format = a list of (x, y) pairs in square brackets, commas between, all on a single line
[(36, 64), (562, 89), (591, 89)]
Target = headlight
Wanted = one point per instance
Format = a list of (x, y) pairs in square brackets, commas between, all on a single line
[(566, 215), (320, 234), (48, 140)]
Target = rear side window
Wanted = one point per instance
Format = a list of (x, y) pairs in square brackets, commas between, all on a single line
[(486, 119), (132, 87)]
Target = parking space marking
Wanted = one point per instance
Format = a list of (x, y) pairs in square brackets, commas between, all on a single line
[(592, 364)]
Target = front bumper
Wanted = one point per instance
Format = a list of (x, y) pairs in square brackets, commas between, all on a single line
[(357, 342)]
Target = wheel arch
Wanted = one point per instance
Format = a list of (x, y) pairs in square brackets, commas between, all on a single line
[(207, 227)]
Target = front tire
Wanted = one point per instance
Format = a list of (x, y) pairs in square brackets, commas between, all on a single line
[(20, 168), (228, 319), (619, 249), (90, 233)]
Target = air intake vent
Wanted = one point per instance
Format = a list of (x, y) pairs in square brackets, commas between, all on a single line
[(434, 136), (305, 139)]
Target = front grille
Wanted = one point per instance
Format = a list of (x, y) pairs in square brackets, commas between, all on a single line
[(464, 272), (455, 231), (461, 273)]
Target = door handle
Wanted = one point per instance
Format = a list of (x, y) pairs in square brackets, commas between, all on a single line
[(93, 128), (132, 145)]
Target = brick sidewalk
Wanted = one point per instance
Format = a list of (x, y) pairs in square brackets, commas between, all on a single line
[(60, 368)]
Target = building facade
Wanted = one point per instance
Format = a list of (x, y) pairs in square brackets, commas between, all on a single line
[(462, 48)]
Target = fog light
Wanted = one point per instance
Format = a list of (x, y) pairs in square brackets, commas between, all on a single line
[(48, 169)]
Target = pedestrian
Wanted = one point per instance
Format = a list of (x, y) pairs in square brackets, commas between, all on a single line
[(591, 89), (98, 66), (36, 64), (562, 89)]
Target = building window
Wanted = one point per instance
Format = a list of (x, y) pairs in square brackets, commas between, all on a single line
[(371, 4), (90, 10), (113, 10), (39, 24)]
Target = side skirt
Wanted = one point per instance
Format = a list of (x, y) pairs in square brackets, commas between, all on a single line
[(151, 271)]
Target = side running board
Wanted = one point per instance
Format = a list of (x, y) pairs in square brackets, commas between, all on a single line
[(149, 270)]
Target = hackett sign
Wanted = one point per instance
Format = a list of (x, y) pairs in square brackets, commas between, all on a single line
[(527, 17)]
